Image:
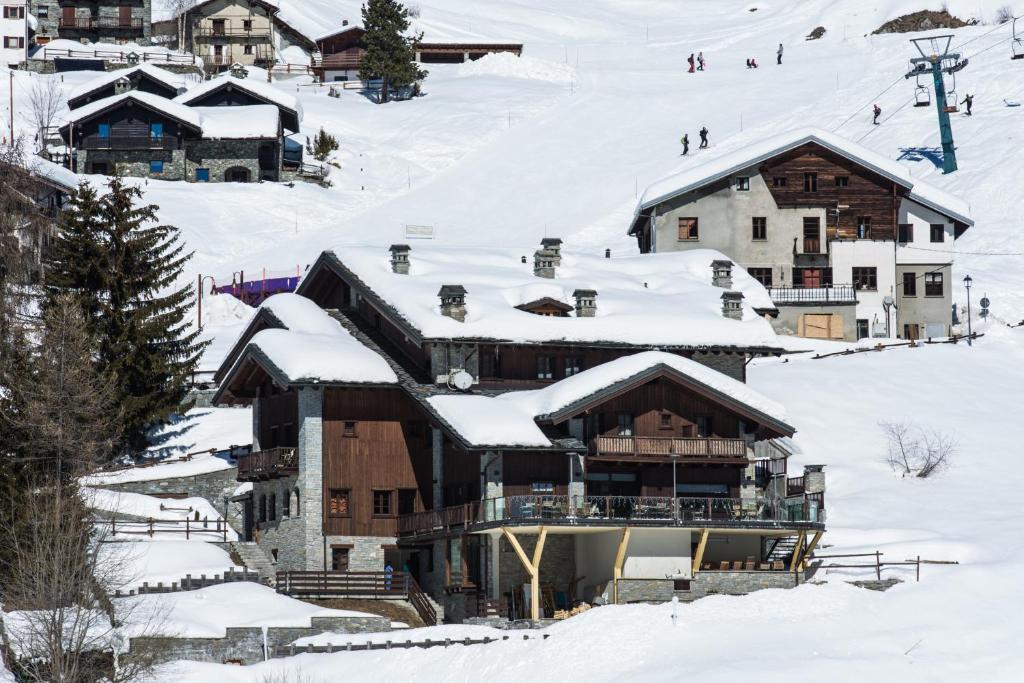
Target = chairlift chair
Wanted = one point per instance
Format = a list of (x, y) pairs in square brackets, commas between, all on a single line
[(952, 106), (1017, 42), (922, 94)]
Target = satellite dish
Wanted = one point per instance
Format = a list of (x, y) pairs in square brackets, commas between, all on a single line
[(462, 380)]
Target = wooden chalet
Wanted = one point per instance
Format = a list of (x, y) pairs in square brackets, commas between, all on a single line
[(143, 77), (648, 472), (230, 91)]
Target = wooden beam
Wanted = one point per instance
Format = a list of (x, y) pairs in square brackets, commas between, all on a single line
[(514, 542), (538, 552), (620, 558), (800, 537), (810, 549), (699, 555)]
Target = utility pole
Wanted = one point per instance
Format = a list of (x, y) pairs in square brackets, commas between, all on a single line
[(935, 57), (12, 106)]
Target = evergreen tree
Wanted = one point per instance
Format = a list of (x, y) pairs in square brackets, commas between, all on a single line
[(78, 262), (144, 342), (390, 54)]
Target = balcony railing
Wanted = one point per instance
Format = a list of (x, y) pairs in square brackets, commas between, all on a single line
[(231, 32), (584, 510), (129, 142), (688, 448), (268, 464), (106, 23), (833, 294)]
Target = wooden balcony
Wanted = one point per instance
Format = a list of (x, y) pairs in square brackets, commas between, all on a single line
[(133, 25), (129, 142), (269, 464), (232, 32), (697, 450)]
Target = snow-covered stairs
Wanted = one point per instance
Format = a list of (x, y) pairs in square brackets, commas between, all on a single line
[(255, 559)]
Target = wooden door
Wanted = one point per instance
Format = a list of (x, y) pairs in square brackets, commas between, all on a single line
[(815, 326), (812, 278), (812, 235), (67, 17), (124, 15)]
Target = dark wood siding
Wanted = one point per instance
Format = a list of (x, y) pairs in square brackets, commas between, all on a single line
[(523, 469), (390, 451), (865, 192), (278, 418)]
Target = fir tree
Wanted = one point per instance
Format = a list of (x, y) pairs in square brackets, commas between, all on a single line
[(390, 54), (144, 342), (77, 262)]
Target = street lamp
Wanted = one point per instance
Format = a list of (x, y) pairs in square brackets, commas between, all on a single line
[(967, 284), (199, 297)]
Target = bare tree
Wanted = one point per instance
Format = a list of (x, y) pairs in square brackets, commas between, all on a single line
[(179, 9), (45, 99), (917, 452)]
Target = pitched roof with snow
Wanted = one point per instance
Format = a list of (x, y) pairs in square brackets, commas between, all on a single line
[(255, 121), (262, 91), (659, 300), (163, 76), (698, 176), (172, 109), (55, 174), (511, 419), (305, 345)]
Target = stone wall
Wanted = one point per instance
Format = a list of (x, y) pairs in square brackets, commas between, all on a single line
[(788, 321), (730, 364), (135, 162), (557, 564), (311, 475), (220, 155), (245, 644), (282, 537), (366, 553), (645, 590), (213, 486), (736, 583)]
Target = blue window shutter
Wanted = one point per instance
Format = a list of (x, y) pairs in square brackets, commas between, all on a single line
[(104, 130), (156, 130), (156, 166), (203, 175)]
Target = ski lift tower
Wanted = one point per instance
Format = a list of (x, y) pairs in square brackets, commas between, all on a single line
[(935, 57)]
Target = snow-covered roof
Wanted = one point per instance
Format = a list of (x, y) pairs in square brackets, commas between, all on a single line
[(698, 176), (53, 173), (662, 300), (312, 347), (260, 90), (172, 109), (171, 80), (510, 419), (252, 121)]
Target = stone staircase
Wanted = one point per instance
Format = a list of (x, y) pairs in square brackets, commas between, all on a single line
[(255, 559)]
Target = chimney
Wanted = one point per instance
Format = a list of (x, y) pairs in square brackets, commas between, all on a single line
[(586, 303), (544, 262), (239, 71), (554, 245), (453, 301), (732, 305), (721, 273), (122, 85), (814, 479), (607, 253), (400, 258), (344, 22)]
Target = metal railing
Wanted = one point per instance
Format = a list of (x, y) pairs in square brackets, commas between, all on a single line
[(697, 447), (548, 509), (129, 142), (830, 294), (274, 462)]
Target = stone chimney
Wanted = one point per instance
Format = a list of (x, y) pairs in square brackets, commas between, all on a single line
[(344, 22), (239, 71), (554, 245), (814, 479), (400, 258), (732, 305), (453, 301), (721, 273), (544, 263), (122, 85), (586, 303)]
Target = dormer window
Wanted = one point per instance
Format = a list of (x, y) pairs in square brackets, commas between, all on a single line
[(547, 307), (742, 183)]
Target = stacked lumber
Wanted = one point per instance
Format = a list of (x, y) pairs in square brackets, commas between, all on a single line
[(566, 613)]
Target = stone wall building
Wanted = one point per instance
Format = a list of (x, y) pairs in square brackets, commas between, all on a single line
[(94, 21)]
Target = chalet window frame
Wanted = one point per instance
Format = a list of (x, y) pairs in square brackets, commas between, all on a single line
[(156, 166), (542, 488), (704, 425), (272, 508), (688, 229), (762, 274), (545, 367), (14, 11), (863, 328), (347, 554), (937, 230), (863, 227), (340, 494), (779, 181), (742, 183), (909, 284), (905, 233), (573, 366), (286, 504), (261, 513), (625, 424), (810, 182), (842, 181), (664, 420), (931, 281), (865, 278), (759, 228), (383, 495), (350, 429)]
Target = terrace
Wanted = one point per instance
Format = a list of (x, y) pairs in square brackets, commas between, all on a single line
[(696, 450), (129, 142), (832, 294), (268, 464)]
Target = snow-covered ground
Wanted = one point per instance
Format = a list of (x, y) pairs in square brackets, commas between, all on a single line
[(167, 562)]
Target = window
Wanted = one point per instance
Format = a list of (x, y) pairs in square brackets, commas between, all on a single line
[(202, 175), (909, 284), (382, 503), (272, 507), (298, 502), (247, 24), (286, 505), (779, 181), (742, 183), (406, 501), (863, 227), (263, 508), (337, 503), (247, 50), (812, 235), (156, 130), (703, 425), (862, 328), (541, 487), (339, 558), (906, 232), (348, 428), (14, 42), (938, 232), (810, 182), (14, 12), (933, 284), (103, 130), (842, 181), (865, 277), (762, 275), (572, 366), (625, 424), (42, 12), (688, 229), (544, 367), (665, 421), (156, 166), (759, 228)]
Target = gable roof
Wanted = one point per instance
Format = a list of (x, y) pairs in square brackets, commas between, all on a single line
[(513, 418), (172, 81), (180, 113), (261, 91), (656, 300), (726, 165)]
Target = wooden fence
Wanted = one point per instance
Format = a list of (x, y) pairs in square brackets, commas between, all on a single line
[(955, 339), (150, 526), (191, 583), (878, 564), (374, 585), (293, 649), (118, 56)]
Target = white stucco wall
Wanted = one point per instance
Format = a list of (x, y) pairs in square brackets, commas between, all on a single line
[(856, 253), (13, 28), (922, 249)]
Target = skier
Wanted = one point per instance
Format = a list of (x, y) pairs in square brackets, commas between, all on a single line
[(703, 137), (753, 63), (686, 144), (877, 112), (700, 61), (969, 101), (779, 54), (689, 60)]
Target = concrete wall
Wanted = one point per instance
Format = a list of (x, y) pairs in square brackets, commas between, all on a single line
[(788, 321), (847, 254), (920, 256), (657, 554)]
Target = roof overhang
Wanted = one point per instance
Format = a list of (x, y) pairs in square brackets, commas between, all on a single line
[(134, 102)]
